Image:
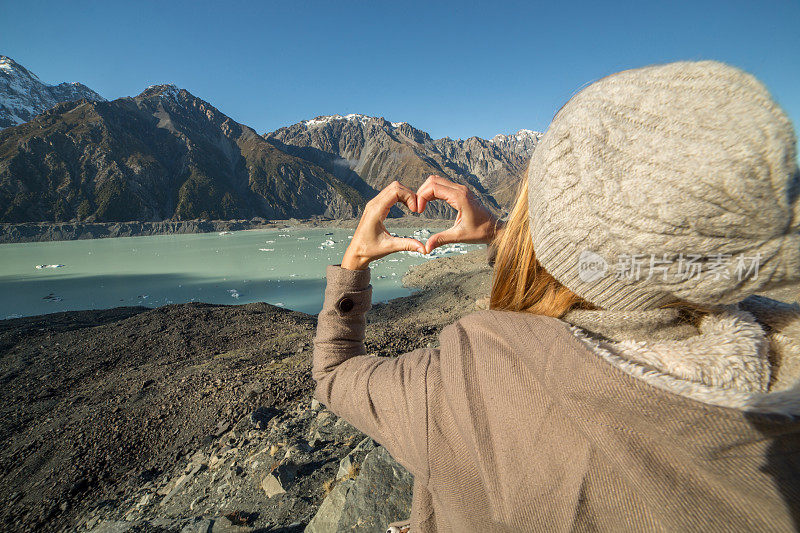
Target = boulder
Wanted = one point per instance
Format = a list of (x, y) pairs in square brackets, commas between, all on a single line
[(379, 494), (355, 457), (279, 479), (330, 512)]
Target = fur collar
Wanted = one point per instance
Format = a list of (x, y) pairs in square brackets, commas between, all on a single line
[(745, 356)]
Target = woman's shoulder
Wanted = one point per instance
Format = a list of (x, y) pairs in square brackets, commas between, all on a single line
[(493, 331), (503, 320)]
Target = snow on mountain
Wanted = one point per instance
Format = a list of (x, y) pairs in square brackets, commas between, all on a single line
[(23, 95), (379, 151), (327, 119), (523, 142)]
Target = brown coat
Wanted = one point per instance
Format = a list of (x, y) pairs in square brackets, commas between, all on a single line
[(513, 424)]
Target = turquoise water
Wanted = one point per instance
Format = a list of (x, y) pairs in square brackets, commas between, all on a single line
[(282, 267)]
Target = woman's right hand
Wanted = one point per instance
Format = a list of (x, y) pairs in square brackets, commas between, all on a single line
[(474, 223)]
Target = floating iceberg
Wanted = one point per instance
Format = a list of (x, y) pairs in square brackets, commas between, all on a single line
[(451, 248), (441, 251)]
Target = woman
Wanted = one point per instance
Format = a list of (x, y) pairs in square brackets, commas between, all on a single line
[(626, 377)]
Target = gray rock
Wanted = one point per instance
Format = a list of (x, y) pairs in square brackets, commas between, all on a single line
[(222, 428), (329, 431), (330, 512), (278, 481), (200, 526), (113, 526), (272, 486), (380, 494), (182, 482), (355, 457), (223, 525)]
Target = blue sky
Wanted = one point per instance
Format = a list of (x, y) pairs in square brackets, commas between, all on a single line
[(451, 68)]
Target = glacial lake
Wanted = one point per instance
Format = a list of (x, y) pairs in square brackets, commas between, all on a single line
[(284, 267)]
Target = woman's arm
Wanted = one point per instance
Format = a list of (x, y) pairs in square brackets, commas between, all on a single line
[(386, 398)]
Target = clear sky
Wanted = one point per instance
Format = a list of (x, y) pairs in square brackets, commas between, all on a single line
[(451, 68)]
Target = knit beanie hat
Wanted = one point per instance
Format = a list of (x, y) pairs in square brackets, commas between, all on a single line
[(666, 183)]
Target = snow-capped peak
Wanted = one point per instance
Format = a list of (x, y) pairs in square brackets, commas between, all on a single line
[(23, 95), (6, 63), (352, 117), (521, 136), (327, 119), (167, 90)]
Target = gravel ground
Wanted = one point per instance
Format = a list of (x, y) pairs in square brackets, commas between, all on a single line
[(103, 410)]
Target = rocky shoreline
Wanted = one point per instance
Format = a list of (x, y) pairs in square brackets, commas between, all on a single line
[(68, 231), (199, 417)]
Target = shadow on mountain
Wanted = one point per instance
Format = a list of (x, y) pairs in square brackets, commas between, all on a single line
[(332, 164)]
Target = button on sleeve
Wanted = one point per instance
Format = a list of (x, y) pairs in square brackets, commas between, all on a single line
[(345, 304)]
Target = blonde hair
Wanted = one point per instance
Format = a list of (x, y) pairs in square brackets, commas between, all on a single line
[(520, 283)]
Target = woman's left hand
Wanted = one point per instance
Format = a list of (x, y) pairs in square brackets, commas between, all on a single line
[(371, 241)]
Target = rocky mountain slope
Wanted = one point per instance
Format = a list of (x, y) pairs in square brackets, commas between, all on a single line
[(66, 155), (23, 95), (499, 163), (378, 151), (164, 154)]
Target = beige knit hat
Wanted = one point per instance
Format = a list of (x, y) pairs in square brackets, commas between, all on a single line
[(668, 182)]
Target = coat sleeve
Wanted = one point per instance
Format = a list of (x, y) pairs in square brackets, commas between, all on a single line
[(385, 397)]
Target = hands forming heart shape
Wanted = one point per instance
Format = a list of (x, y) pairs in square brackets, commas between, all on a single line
[(371, 240)]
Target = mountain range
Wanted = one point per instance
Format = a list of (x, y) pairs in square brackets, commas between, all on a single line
[(378, 151), (169, 155)]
